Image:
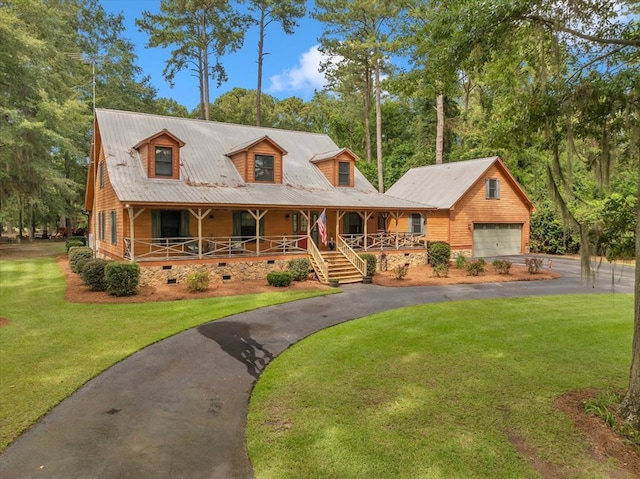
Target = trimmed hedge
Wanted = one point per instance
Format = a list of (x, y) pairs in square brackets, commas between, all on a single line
[(122, 278), (279, 279), (439, 253), (93, 274), (74, 242), (78, 256), (372, 262), (299, 268)]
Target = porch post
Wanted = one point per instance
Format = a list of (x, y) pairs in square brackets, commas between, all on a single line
[(258, 216), (200, 216), (397, 215), (132, 217), (365, 217)]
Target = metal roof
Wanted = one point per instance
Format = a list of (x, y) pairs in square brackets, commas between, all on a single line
[(208, 176), (440, 185)]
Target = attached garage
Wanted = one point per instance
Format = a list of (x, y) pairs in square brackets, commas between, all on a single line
[(496, 239)]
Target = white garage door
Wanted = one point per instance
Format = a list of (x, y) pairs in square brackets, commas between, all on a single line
[(496, 239)]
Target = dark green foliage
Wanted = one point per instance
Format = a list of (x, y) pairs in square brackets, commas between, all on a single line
[(78, 256), (299, 268), (74, 242), (279, 279), (372, 262), (533, 264), (502, 266), (122, 278), (93, 274), (616, 238), (476, 266), (198, 282), (549, 236), (461, 261), (439, 253)]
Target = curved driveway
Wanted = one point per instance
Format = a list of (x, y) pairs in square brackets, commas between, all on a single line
[(177, 409)]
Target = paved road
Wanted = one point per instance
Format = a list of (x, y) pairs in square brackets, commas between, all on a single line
[(177, 409)]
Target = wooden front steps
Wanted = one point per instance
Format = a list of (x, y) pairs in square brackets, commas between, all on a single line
[(340, 268)]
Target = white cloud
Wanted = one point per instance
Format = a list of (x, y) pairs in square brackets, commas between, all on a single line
[(306, 76)]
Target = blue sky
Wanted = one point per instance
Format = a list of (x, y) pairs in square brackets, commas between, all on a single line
[(290, 68)]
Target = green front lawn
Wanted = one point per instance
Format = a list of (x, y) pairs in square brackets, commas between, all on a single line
[(441, 391), (51, 347)]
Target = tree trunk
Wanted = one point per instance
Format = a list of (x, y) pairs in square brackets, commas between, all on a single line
[(379, 131), (367, 114), (205, 68), (631, 403), (260, 58), (439, 129)]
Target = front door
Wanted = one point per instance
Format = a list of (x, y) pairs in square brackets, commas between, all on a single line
[(300, 225)]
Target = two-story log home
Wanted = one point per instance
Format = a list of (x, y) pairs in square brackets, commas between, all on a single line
[(179, 194)]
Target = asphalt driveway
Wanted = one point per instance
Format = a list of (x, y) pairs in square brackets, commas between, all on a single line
[(177, 409)]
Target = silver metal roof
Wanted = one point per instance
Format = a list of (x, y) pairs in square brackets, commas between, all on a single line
[(440, 185), (208, 176)]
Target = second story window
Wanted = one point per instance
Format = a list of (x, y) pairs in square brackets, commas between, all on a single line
[(492, 189), (344, 173), (264, 168), (164, 161)]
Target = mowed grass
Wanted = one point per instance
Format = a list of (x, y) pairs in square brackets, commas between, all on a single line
[(441, 391), (51, 347)]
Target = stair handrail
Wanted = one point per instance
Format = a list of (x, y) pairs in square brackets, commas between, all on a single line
[(323, 268), (352, 256)]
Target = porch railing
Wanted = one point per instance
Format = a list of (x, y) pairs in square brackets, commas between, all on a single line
[(322, 268), (149, 249), (352, 256)]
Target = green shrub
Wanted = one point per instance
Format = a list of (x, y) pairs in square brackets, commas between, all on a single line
[(439, 253), (502, 266), (74, 242), (78, 256), (122, 278), (372, 262), (401, 271), (279, 279), (476, 266), (461, 261), (93, 274), (299, 268), (533, 264), (441, 270), (198, 282)]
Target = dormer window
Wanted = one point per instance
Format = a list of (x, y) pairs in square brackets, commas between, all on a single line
[(344, 173), (160, 155), (163, 161), (264, 168)]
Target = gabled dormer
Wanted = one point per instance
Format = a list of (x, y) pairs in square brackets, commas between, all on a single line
[(259, 160), (338, 166), (160, 155)]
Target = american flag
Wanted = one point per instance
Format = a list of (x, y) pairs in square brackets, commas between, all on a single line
[(322, 227)]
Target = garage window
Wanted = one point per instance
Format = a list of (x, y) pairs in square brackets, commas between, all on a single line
[(493, 189)]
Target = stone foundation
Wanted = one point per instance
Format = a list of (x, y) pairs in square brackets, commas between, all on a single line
[(388, 261), (218, 272)]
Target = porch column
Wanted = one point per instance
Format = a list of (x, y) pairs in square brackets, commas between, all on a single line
[(396, 215), (365, 217), (132, 217), (257, 216), (200, 216)]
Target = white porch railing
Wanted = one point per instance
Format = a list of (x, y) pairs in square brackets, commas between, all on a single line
[(352, 256)]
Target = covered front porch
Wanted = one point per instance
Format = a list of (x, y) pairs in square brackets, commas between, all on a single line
[(207, 233)]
